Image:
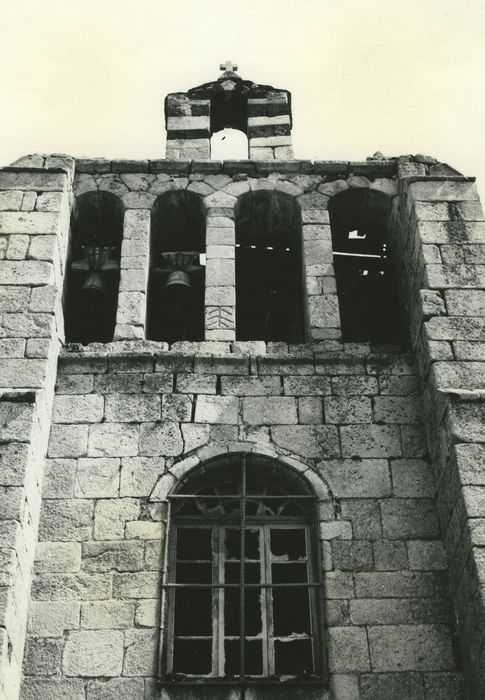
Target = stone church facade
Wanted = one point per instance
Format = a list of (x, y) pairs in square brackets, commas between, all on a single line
[(270, 360)]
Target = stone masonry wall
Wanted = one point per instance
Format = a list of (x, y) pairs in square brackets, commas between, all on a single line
[(35, 200), (127, 425), (396, 473)]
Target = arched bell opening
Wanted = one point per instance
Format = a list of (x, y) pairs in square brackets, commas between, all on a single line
[(366, 284), (229, 144), (93, 270), (269, 285), (177, 268)]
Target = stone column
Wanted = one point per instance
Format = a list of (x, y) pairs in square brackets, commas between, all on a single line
[(269, 127), (443, 266), (220, 275), (134, 263), (323, 316), (188, 127), (34, 229)]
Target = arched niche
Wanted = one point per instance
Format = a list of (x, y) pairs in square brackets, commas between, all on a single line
[(229, 144), (177, 272), (366, 285), (93, 270), (269, 285)]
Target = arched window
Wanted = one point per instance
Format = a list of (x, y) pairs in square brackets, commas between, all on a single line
[(92, 279), (269, 287), (366, 287), (242, 594), (229, 144), (177, 272)]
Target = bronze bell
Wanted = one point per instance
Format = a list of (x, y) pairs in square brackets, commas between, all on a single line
[(94, 282), (179, 278)]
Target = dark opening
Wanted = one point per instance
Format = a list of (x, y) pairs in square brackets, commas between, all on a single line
[(366, 286), (269, 288), (177, 272), (93, 273), (229, 109)]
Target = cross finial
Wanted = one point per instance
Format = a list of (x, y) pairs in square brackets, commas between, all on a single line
[(228, 67)]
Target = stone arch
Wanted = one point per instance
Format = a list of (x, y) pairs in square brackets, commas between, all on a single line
[(269, 279), (93, 267), (177, 267), (168, 482), (360, 221)]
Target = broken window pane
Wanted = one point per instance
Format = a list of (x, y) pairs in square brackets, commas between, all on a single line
[(194, 543), (291, 613), (193, 573), (233, 544), (253, 657), (192, 656), (188, 600), (293, 658), (288, 544), (289, 573)]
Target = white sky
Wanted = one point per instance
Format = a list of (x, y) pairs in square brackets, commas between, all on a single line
[(401, 76)]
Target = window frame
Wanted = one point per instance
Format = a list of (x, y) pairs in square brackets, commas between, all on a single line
[(243, 522)]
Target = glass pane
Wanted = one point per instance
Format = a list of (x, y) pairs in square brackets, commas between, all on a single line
[(288, 544), (233, 544), (290, 611), (193, 612), (192, 656), (193, 573), (294, 657), (289, 573), (252, 572), (253, 657), (252, 608), (194, 543)]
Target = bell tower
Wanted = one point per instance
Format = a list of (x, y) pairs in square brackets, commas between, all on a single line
[(242, 418), (261, 112)]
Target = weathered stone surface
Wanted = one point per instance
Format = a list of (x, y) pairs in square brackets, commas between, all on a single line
[(345, 410), (136, 585), (408, 519), (412, 478), (64, 520), (347, 649), (113, 440), (68, 441), (121, 408), (399, 686), (308, 441), (139, 475), (57, 557), (111, 515), (107, 614), (368, 478), (52, 689), (160, 439), (48, 620), (370, 441), (92, 653), (411, 648), (78, 409), (108, 556), (97, 478), (268, 411), (216, 409), (140, 652), (42, 656), (115, 689)]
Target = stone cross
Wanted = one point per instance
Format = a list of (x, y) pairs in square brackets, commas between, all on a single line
[(228, 67)]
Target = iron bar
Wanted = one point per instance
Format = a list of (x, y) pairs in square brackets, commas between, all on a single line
[(242, 573)]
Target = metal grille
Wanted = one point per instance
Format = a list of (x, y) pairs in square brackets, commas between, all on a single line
[(272, 533)]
